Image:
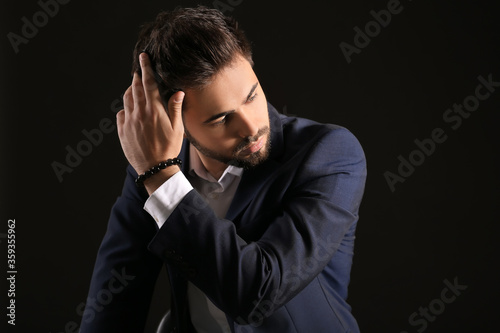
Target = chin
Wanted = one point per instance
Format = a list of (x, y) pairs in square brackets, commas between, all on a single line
[(253, 160)]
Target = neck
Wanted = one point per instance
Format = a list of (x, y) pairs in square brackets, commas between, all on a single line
[(214, 167)]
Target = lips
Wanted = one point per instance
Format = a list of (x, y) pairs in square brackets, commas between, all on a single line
[(254, 147)]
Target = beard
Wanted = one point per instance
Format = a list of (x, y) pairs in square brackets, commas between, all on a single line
[(235, 158)]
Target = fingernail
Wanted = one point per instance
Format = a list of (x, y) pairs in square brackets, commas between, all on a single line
[(142, 56)]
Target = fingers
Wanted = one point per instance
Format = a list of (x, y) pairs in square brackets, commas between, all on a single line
[(175, 108), (120, 120), (149, 83), (138, 93), (128, 100), (142, 98)]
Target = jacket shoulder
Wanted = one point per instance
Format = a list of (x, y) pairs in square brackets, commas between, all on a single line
[(300, 134)]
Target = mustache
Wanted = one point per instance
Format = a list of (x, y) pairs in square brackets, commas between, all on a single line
[(248, 140)]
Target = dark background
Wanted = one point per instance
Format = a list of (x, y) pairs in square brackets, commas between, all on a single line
[(440, 224)]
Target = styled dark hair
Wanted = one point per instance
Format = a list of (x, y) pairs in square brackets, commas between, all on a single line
[(188, 46)]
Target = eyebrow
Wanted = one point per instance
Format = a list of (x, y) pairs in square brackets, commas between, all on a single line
[(225, 113)]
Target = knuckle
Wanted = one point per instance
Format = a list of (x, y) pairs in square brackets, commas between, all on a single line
[(139, 94), (136, 84), (128, 93), (127, 97), (141, 116)]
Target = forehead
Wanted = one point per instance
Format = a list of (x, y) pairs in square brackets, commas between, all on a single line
[(226, 91)]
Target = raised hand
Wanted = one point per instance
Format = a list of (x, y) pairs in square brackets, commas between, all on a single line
[(148, 133)]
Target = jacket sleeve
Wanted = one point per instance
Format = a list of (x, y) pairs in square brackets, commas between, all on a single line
[(125, 271), (303, 230)]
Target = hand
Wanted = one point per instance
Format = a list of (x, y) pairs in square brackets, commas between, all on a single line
[(148, 134)]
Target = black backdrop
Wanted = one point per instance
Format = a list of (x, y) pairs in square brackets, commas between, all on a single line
[(437, 228)]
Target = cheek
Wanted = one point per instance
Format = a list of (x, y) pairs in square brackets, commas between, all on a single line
[(221, 140), (263, 114)]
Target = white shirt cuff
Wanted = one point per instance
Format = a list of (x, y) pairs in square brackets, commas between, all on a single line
[(162, 202)]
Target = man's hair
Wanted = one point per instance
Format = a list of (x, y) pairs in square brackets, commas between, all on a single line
[(188, 46)]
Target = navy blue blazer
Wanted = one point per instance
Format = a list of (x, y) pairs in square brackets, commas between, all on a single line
[(279, 262)]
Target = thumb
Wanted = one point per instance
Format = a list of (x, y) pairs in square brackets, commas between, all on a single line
[(175, 108)]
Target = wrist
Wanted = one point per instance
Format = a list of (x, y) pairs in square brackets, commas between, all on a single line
[(156, 169), (153, 183)]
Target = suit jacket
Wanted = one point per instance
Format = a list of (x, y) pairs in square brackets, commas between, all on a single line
[(279, 262)]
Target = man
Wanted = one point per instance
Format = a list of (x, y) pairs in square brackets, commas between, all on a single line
[(256, 227)]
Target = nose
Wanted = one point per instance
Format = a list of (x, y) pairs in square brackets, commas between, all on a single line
[(247, 126)]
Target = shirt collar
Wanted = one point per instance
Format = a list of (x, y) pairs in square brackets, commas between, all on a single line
[(197, 168)]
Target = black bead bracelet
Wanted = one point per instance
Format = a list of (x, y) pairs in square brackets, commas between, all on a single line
[(157, 168)]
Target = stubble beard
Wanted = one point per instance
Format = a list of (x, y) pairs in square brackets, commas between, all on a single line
[(247, 162)]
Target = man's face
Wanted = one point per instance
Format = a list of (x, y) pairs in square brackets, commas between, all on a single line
[(227, 120)]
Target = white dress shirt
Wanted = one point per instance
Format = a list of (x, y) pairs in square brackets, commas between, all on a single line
[(219, 194)]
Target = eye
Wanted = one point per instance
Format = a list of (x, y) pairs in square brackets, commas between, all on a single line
[(252, 98), (221, 121)]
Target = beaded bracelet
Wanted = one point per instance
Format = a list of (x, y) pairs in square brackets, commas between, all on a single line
[(157, 168)]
